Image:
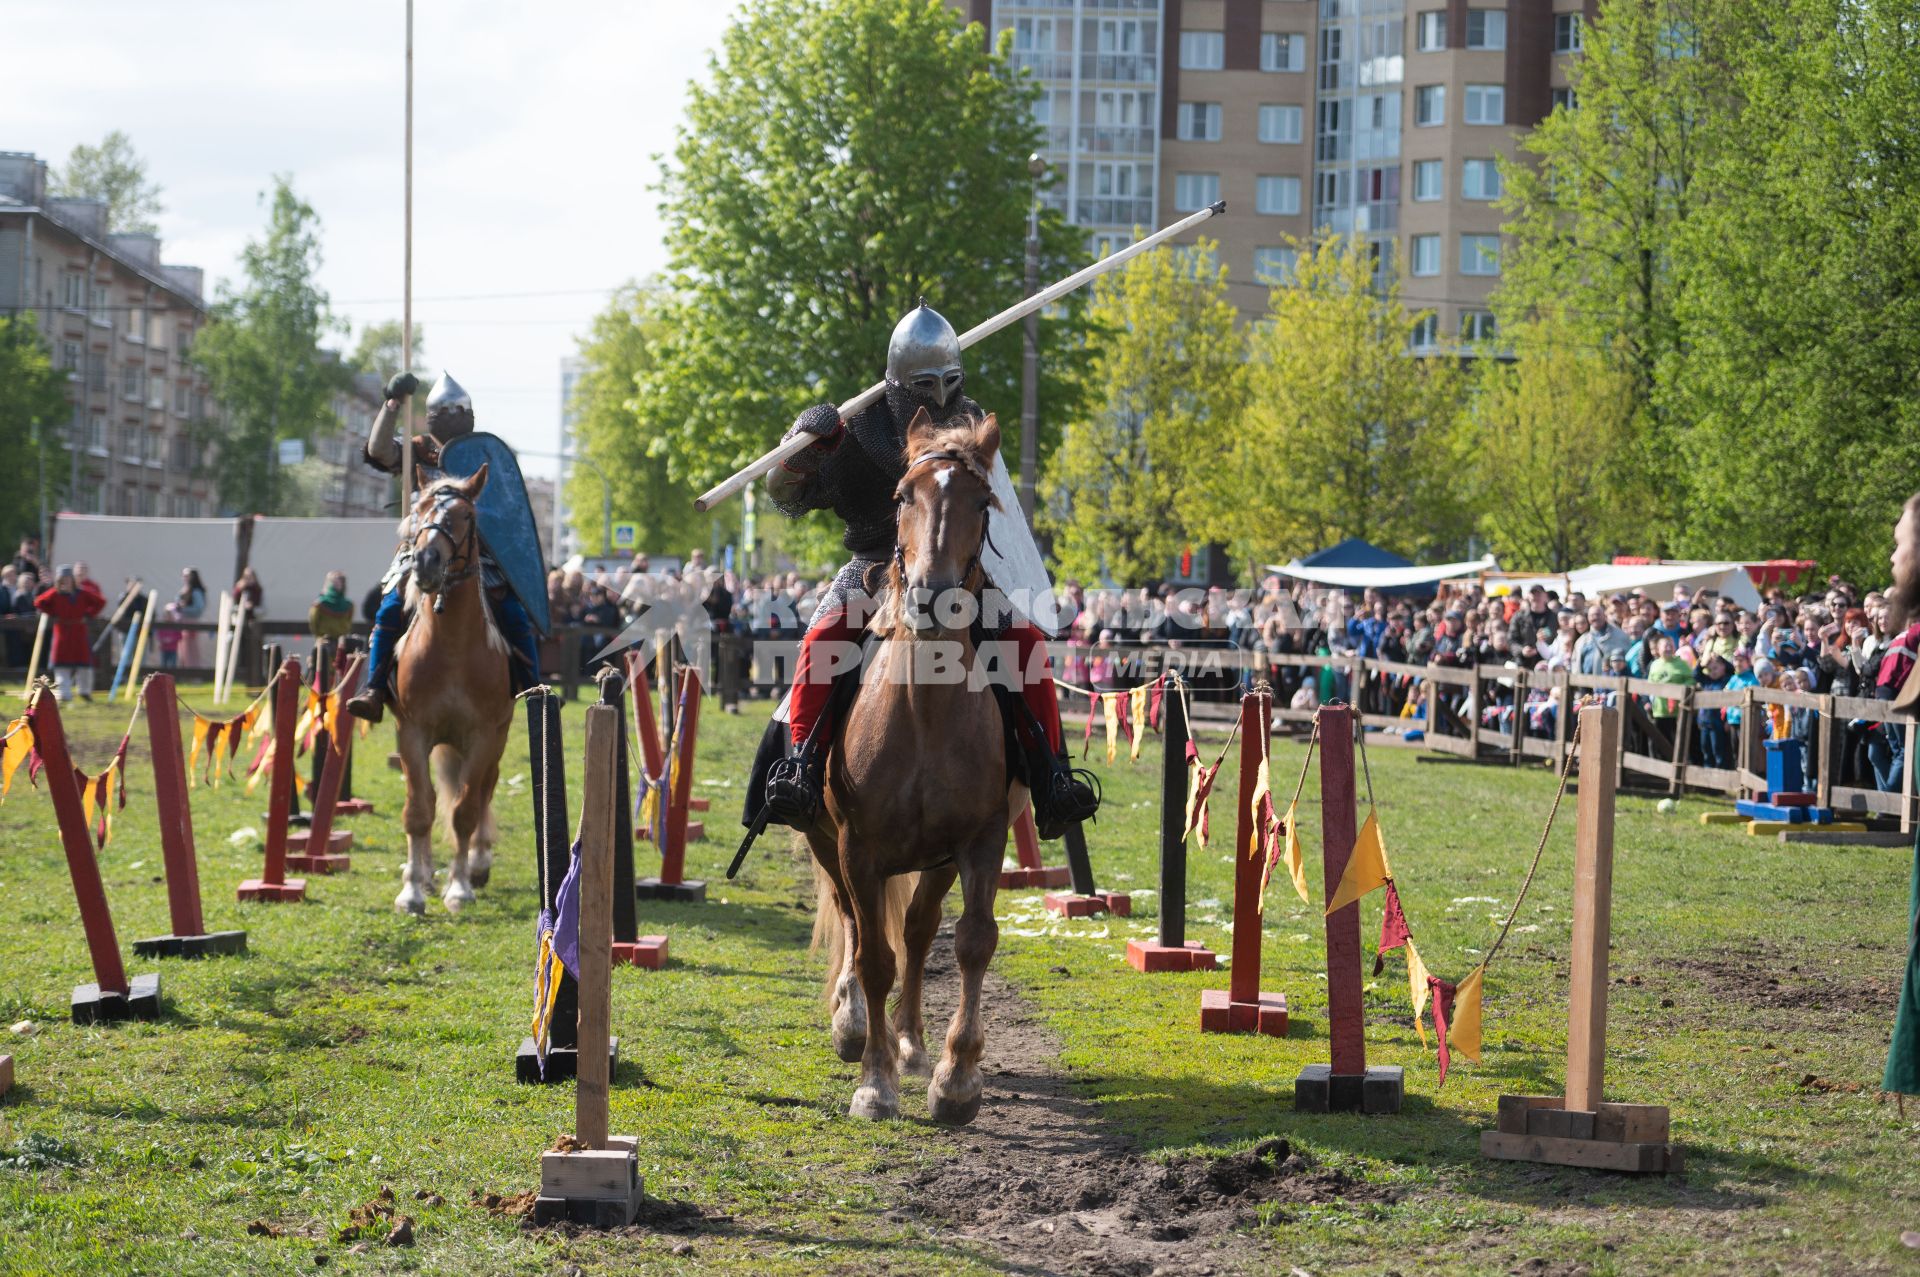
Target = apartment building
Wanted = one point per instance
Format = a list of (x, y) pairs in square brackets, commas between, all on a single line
[(353, 489), (565, 542), (120, 322), (1382, 119)]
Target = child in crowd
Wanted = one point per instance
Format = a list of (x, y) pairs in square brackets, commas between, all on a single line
[(70, 605)]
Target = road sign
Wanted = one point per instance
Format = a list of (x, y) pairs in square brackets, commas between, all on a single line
[(626, 536)]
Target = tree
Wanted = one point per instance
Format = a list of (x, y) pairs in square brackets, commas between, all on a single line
[(1345, 433), (34, 416), (1164, 366), (1554, 479), (378, 351), (843, 159), (261, 353), (114, 172)]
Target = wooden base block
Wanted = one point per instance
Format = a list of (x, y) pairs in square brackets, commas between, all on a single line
[(141, 1001), (693, 891), (338, 840), (1149, 958), (256, 889), (6, 1074), (1117, 903), (353, 807), (1760, 828), (648, 951), (1600, 1155), (1615, 1137), (600, 1188), (1722, 818), (1845, 834), (1319, 1089), (699, 804), (563, 1062), (1043, 877), (1786, 799), (204, 946), (1219, 1013)]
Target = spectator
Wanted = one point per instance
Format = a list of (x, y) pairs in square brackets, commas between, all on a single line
[(1716, 744), (247, 590), (188, 605), (331, 615), (26, 562), (1602, 646), (1667, 668), (70, 606)]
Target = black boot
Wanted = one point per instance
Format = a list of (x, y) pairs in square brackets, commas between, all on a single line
[(370, 705), (1066, 796), (794, 785)]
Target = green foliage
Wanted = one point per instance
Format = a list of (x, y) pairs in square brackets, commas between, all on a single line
[(1164, 368), (842, 159), (261, 353), (378, 351), (1345, 434), (34, 418), (112, 171)]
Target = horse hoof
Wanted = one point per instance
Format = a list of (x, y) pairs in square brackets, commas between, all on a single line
[(455, 901), (870, 1105), (913, 1059), (478, 877), (849, 1035), (952, 1105), (411, 902)]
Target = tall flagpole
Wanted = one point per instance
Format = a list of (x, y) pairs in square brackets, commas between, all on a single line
[(406, 296)]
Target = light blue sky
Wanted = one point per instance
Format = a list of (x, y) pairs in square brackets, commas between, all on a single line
[(534, 136)]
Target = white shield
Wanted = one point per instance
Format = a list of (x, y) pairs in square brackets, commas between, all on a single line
[(1012, 559)]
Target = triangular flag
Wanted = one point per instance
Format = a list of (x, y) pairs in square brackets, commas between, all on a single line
[(1137, 716), (1261, 793), (1366, 867), (1093, 707), (1110, 703), (1442, 1012), (200, 726), (1159, 698), (1417, 976), (1203, 778), (1296, 863), (1464, 1023), (1393, 927), (17, 748)]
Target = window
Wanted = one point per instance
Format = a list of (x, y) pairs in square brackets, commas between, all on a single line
[(1424, 259), (1479, 254), (1115, 180), (1486, 104), (1565, 100), (1486, 29), (1479, 180), (1477, 325), (71, 354), (1274, 265), (97, 302), (1429, 180), (182, 454), (130, 444), (1566, 33), (1199, 122), (180, 399), (1283, 51), (1033, 35), (1426, 332), (74, 291), (1202, 50), (1431, 34), (1280, 123), (1277, 195), (133, 381), (97, 434), (1430, 105), (1194, 191), (136, 324)]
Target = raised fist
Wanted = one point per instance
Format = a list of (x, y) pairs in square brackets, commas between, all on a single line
[(822, 421), (400, 385)]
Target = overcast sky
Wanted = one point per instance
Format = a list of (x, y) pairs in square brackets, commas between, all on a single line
[(535, 132)]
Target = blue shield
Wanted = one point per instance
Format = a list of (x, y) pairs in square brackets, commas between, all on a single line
[(508, 533)]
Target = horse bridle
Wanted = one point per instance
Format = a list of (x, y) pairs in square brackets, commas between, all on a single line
[(466, 548), (986, 525)]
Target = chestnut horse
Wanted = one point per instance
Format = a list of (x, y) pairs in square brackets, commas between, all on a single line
[(917, 794), (452, 703)]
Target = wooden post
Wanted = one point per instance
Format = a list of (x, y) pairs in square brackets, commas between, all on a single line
[(189, 938), (1563, 712), (1476, 698), (629, 946), (322, 848), (221, 636), (39, 650), (1682, 739), (1592, 910), (140, 647), (682, 737), (273, 883), (1826, 745), (1907, 763), (1242, 1007), (1172, 951), (596, 924)]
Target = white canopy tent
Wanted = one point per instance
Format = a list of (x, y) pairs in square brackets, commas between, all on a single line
[(1728, 580), (1358, 578)]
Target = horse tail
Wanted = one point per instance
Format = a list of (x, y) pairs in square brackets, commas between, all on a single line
[(446, 785), (829, 924)]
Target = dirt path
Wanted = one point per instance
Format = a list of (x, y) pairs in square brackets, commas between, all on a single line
[(1040, 1180)]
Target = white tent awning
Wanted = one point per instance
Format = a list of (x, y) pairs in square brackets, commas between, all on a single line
[(1353, 578)]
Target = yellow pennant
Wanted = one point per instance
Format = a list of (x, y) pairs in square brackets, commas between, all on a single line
[(1137, 707), (17, 749), (1260, 790), (1296, 863), (200, 727), (1463, 1030), (96, 799), (1417, 989), (1366, 867), (1110, 706)]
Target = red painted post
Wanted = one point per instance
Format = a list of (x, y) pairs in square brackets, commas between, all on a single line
[(1346, 1020), (88, 890), (273, 884), (319, 850), (1243, 984), (176, 815), (643, 720), (1026, 840), (673, 856)]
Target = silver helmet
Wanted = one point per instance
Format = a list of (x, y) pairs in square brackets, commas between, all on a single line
[(449, 410), (923, 359)]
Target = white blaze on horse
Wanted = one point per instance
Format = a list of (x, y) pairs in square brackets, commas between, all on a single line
[(452, 702), (918, 795)]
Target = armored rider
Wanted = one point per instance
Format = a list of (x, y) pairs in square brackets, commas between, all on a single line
[(852, 468), (449, 416)]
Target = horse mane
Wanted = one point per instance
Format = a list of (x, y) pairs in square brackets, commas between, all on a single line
[(972, 443)]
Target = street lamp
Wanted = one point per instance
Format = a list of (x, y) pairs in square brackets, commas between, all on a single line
[(1030, 358)]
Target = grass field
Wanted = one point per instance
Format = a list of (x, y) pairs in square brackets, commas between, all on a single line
[(355, 1048)]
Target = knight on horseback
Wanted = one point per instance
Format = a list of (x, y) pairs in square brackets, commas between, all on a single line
[(853, 469), (449, 419)]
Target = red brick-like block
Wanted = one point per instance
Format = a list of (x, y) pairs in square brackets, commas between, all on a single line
[(649, 952), (1116, 903), (1219, 1013), (270, 892), (1045, 876), (1149, 958), (699, 804), (323, 863), (338, 841), (1788, 799), (353, 807)]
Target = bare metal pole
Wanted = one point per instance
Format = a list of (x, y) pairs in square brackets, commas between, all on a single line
[(406, 294)]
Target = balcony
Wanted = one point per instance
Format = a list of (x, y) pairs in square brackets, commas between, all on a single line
[(1045, 65), (1110, 139), (1128, 212), (1120, 68)]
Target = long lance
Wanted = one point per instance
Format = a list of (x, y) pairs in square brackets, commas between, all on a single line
[(979, 332)]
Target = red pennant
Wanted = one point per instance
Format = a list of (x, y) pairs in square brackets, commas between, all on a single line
[(1393, 923), (1442, 1011), (1093, 708), (1193, 751), (1154, 701), (1126, 716)]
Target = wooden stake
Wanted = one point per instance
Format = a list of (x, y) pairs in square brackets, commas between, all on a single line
[(39, 650), (596, 925), (1346, 1018), (406, 292), (140, 648), (222, 635), (235, 639), (1592, 910)]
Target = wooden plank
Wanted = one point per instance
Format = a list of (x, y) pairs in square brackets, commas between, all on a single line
[(1561, 714), (1511, 1113), (1602, 1155), (1826, 738), (1665, 691), (1874, 711), (1719, 778), (1848, 837), (596, 928), (1448, 744), (1847, 798), (600, 1174), (1647, 765), (1592, 910), (1377, 720), (1535, 747), (1681, 740), (1561, 1123), (1631, 1123), (1717, 700)]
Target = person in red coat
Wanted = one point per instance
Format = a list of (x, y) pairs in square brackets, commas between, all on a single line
[(70, 602)]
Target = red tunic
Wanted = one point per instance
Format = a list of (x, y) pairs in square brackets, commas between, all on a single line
[(70, 613)]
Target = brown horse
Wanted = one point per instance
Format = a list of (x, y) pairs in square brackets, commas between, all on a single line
[(917, 794), (452, 703)]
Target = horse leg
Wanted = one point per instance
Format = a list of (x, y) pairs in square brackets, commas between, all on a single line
[(467, 810), (844, 998), (878, 1095), (417, 877), (480, 855), (923, 922), (953, 1097)]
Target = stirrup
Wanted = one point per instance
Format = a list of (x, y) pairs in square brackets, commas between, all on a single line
[(793, 789), (1071, 797), (368, 704)]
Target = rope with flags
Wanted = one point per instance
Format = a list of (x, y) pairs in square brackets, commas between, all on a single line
[(1128, 713), (213, 735)]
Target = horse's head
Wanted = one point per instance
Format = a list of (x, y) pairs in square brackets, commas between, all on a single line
[(944, 501), (445, 532)]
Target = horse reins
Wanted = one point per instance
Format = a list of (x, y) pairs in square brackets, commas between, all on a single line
[(466, 547)]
